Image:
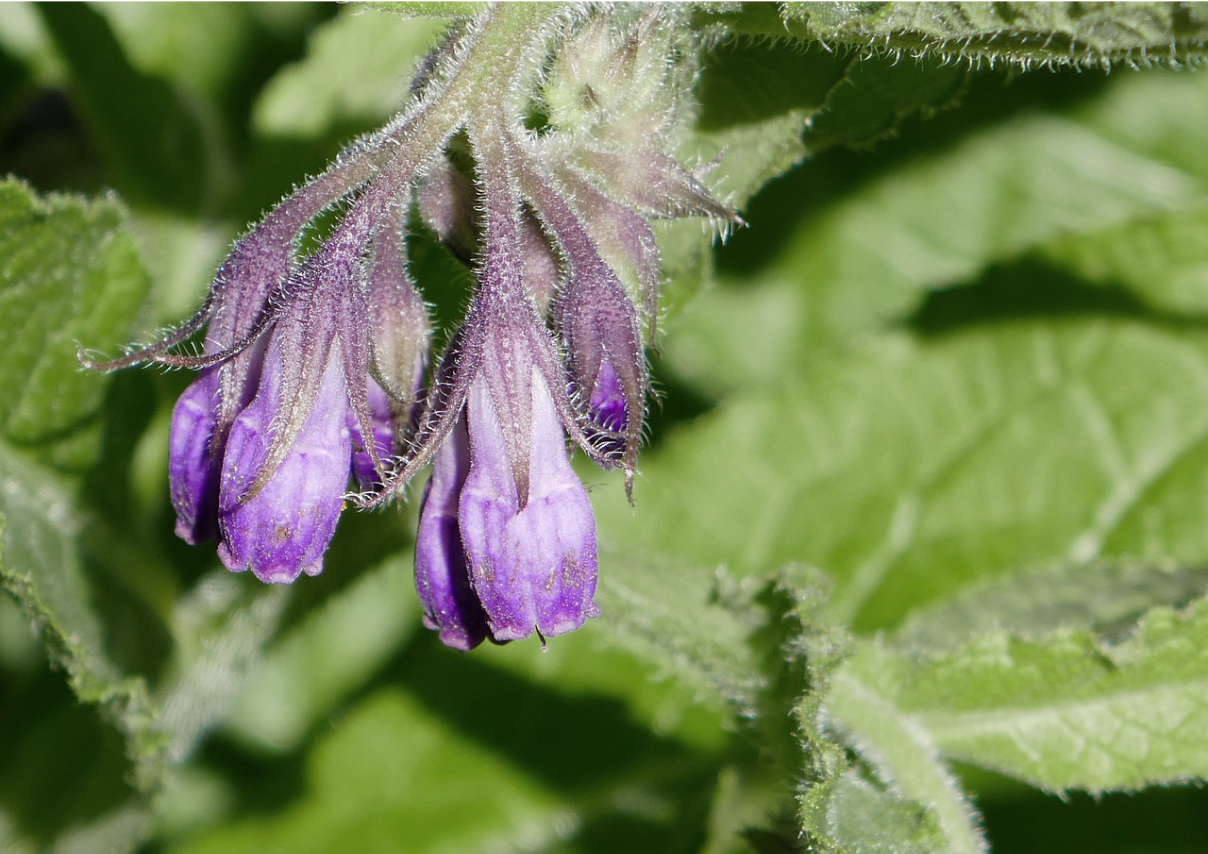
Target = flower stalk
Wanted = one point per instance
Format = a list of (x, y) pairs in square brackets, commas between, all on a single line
[(315, 371)]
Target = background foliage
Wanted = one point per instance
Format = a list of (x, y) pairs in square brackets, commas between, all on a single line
[(920, 539)]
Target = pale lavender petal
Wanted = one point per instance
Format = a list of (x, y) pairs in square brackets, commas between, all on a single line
[(489, 500), (554, 536), (283, 529), (533, 567), (442, 576)]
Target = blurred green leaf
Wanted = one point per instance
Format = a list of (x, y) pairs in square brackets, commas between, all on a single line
[(1105, 598), (41, 566), (940, 220), (151, 141), (436, 9), (910, 468), (69, 273), (198, 46), (23, 36), (307, 672), (398, 768), (357, 73), (1025, 34), (98, 811)]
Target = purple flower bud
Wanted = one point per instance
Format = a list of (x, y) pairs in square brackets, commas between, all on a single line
[(599, 324), (281, 526), (442, 576), (193, 467), (532, 565), (606, 404), (382, 422)]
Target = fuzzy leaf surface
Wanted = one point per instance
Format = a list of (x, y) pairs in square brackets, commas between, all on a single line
[(1051, 34), (1070, 711)]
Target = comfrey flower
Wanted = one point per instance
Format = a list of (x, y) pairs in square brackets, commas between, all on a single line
[(314, 387)]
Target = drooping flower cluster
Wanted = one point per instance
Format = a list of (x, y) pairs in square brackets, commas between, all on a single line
[(315, 371)]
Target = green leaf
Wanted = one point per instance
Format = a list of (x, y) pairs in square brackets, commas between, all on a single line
[(875, 95), (456, 765), (436, 9), (1103, 597), (356, 74), (307, 672), (71, 273), (1069, 711), (1159, 114), (42, 568), (220, 628), (863, 816), (1163, 259), (906, 760), (1023, 34), (671, 615), (939, 222), (198, 46), (911, 468), (754, 104)]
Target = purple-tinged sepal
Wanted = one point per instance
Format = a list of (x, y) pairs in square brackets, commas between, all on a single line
[(653, 182), (606, 359), (402, 328), (539, 267), (446, 203)]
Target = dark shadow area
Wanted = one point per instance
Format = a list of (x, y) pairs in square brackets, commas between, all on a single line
[(533, 727), (131, 401), (575, 745), (43, 141), (1156, 821), (262, 785), (152, 144), (743, 82), (1030, 288), (1025, 289), (675, 402), (61, 765)]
